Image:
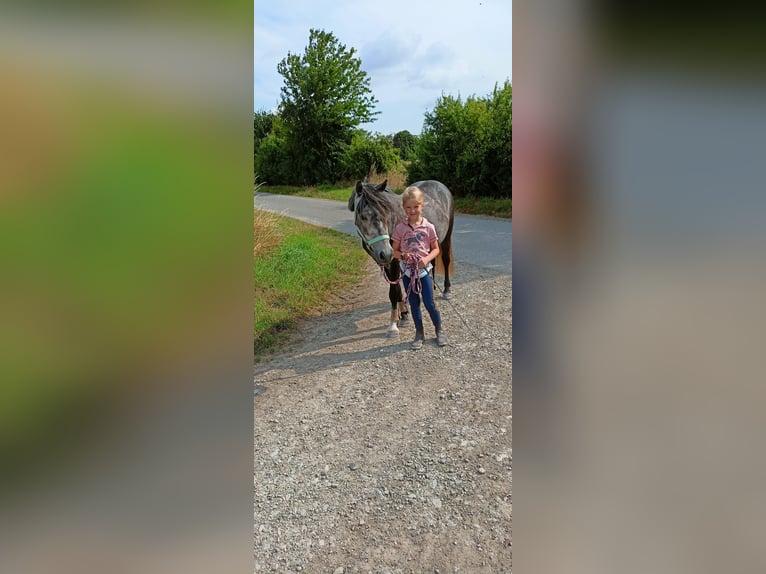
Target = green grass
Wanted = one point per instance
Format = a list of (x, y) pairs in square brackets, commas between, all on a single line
[(465, 205), (332, 192), (484, 206), (299, 277), (110, 253)]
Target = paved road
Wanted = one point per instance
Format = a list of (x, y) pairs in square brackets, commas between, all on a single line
[(481, 241)]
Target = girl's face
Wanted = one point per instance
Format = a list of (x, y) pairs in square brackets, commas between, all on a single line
[(413, 209)]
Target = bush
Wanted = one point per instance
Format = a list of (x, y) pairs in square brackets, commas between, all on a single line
[(263, 122), (404, 143), (499, 154), (467, 145), (366, 151), (272, 160)]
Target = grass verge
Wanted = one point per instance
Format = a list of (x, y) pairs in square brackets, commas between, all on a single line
[(484, 206), (465, 205), (333, 192), (299, 276)]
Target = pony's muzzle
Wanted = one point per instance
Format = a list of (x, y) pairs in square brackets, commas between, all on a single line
[(384, 254)]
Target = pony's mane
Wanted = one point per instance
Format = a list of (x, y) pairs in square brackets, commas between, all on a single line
[(375, 198)]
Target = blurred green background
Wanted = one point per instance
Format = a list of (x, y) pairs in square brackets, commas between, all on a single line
[(125, 202)]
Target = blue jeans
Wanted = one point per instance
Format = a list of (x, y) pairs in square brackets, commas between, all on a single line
[(427, 294)]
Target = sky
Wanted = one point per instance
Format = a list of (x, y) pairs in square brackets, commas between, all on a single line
[(414, 51)]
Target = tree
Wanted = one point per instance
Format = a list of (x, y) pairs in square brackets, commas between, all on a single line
[(468, 144), (326, 95), (404, 141), (262, 122), (499, 157), (366, 151), (271, 161)]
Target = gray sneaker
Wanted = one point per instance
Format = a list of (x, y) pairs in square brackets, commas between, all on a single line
[(441, 338), (418, 342)]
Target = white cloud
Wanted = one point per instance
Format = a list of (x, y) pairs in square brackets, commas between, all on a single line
[(386, 52)]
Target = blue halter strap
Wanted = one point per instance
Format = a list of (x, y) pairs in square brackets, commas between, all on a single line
[(369, 242)]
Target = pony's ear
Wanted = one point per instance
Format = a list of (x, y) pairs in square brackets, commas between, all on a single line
[(382, 186), (352, 199)]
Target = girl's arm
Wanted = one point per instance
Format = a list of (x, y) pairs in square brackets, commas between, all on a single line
[(432, 255), (396, 245)]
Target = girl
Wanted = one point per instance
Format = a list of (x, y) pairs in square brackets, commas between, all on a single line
[(416, 245)]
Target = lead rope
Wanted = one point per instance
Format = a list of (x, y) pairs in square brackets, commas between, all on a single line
[(415, 284), (383, 272), (474, 335), (417, 287)]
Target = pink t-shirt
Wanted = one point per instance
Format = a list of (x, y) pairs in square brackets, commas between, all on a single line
[(416, 239)]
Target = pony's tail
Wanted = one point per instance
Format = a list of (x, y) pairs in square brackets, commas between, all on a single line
[(440, 263)]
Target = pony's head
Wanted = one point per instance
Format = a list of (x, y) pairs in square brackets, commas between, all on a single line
[(372, 213)]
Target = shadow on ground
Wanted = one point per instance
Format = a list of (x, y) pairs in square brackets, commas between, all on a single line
[(343, 337)]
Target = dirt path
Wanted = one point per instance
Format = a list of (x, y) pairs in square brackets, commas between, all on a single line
[(370, 457)]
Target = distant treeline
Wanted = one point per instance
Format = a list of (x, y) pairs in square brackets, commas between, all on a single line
[(314, 136)]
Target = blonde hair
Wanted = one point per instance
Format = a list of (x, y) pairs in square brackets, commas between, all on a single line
[(413, 193)]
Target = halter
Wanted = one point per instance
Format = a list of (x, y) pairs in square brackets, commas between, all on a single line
[(370, 242)]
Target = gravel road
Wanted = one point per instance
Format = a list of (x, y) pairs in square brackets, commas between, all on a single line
[(370, 457)]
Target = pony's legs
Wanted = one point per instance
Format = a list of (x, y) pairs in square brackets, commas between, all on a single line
[(393, 330), (446, 259), (395, 296), (404, 310), (404, 314)]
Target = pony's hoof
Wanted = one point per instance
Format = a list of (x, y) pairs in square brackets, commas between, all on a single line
[(403, 322), (447, 295), (392, 334)]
